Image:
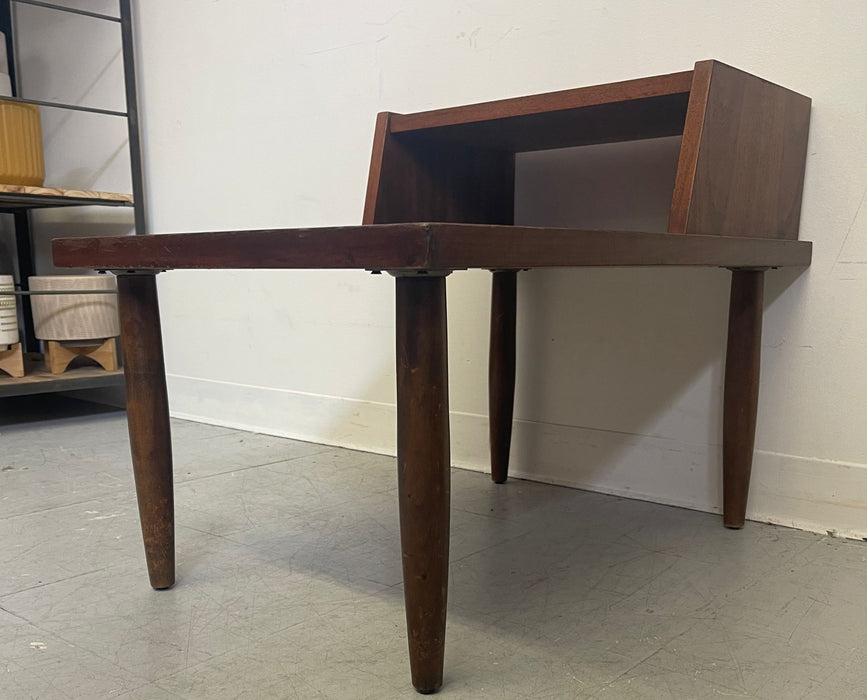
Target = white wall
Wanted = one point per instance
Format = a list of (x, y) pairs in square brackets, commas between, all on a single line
[(261, 115)]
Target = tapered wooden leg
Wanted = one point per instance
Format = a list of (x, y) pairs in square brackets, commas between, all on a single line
[(148, 417), (423, 470), (501, 370), (743, 357)]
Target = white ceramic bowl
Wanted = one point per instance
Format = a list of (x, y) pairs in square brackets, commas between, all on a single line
[(74, 316), (8, 313), (4, 61)]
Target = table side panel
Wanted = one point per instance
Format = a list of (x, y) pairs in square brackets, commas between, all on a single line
[(374, 175), (689, 145), (749, 174)]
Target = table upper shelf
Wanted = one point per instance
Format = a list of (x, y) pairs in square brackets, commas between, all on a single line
[(632, 109), (740, 171)]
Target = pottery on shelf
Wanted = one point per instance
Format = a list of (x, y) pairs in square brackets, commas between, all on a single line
[(8, 313), (74, 317), (21, 158), (5, 80)]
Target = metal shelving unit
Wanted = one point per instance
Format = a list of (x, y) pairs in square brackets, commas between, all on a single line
[(19, 201)]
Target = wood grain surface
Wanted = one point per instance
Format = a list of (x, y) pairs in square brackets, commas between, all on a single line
[(741, 393), (689, 144), (12, 360), (642, 118), (547, 103), (58, 356), (61, 192), (419, 178), (147, 409), (501, 369), (422, 246), (380, 134), (423, 469), (749, 153)]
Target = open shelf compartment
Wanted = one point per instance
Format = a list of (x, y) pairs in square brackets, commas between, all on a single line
[(739, 172)]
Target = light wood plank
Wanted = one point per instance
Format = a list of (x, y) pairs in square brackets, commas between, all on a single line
[(61, 192)]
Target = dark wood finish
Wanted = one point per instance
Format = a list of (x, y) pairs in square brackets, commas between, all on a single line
[(749, 173), (424, 247), (457, 164), (743, 360), (644, 118), (351, 247), (148, 417), (689, 144), (631, 109), (440, 197), (501, 369), (422, 179), (423, 470), (524, 247), (575, 98), (380, 134)]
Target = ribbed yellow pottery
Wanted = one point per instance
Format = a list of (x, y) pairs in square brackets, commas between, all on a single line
[(21, 159)]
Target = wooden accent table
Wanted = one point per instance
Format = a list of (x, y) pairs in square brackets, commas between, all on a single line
[(736, 204)]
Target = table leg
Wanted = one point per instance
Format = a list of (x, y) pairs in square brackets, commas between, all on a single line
[(740, 403), (501, 370), (423, 470), (148, 417)]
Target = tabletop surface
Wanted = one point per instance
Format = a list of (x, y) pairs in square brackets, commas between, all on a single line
[(423, 246)]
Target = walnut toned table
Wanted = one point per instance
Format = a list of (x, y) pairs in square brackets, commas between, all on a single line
[(736, 205)]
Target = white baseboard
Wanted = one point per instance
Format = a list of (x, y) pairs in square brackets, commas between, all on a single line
[(359, 425), (807, 493)]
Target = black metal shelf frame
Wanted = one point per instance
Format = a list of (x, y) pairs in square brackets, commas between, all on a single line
[(7, 25), (30, 292), (70, 10), (19, 205), (62, 105)]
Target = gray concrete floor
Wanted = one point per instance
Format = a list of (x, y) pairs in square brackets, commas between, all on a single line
[(290, 585)]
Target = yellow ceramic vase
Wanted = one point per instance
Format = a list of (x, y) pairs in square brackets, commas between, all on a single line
[(21, 159)]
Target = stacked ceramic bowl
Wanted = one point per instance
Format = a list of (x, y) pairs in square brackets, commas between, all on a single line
[(8, 313), (5, 80)]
